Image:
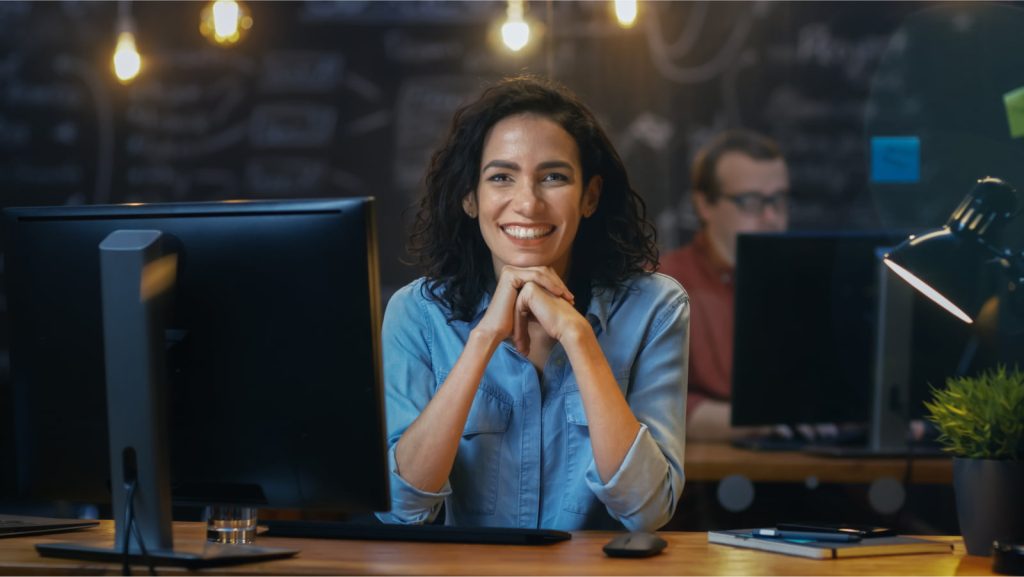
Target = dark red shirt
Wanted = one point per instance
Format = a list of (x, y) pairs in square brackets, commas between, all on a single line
[(710, 282)]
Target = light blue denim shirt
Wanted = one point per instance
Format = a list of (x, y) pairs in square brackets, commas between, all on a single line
[(525, 458)]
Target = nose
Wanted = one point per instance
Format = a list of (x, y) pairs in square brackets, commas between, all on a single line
[(774, 216), (527, 199)]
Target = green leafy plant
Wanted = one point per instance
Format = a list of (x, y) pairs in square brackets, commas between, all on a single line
[(981, 417)]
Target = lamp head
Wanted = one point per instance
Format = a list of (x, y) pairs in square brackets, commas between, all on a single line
[(945, 264), (985, 210)]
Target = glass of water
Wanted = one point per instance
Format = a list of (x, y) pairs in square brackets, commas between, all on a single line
[(231, 524)]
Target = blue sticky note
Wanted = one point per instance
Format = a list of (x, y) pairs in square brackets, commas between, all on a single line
[(895, 159)]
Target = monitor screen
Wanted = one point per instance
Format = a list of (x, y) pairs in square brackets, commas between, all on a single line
[(805, 330), (273, 380)]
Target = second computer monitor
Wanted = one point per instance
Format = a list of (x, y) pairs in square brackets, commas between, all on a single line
[(805, 330)]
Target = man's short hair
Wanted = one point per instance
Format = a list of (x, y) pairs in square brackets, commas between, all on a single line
[(752, 144)]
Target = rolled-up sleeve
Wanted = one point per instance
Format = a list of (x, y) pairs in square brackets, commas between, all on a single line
[(410, 505), (644, 493), (409, 384)]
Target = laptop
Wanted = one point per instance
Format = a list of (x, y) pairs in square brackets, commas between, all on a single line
[(18, 525)]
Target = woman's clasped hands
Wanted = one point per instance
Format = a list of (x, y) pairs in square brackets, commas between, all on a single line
[(531, 294)]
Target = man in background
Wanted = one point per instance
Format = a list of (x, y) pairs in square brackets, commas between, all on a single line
[(740, 183)]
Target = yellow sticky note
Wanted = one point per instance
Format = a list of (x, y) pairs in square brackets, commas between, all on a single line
[(1014, 101)]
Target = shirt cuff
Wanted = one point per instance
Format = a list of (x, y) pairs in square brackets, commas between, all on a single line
[(410, 505), (637, 483)]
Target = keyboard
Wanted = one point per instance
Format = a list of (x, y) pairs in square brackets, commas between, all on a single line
[(15, 525), (769, 443), (832, 448), (850, 437), (431, 533)]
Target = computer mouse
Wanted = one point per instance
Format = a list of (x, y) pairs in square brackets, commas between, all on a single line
[(635, 545)]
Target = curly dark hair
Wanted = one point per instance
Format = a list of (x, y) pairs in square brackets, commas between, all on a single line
[(617, 241)]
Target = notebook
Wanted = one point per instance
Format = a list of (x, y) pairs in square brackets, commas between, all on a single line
[(17, 525), (829, 550)]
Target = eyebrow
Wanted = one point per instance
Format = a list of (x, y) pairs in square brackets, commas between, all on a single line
[(513, 166), (555, 164), (500, 164)]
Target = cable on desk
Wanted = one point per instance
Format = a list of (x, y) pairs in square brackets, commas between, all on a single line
[(908, 469), (131, 528)]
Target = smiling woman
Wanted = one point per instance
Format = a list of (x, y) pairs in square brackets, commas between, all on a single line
[(536, 375), (531, 194)]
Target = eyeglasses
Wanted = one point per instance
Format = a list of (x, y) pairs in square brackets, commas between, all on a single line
[(754, 203)]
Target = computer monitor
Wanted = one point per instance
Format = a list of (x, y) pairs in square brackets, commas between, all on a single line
[(807, 329), (274, 392)]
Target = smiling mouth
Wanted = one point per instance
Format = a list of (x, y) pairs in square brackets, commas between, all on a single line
[(527, 232)]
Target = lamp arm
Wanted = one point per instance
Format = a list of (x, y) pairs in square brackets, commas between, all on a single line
[(1015, 268), (1012, 266)]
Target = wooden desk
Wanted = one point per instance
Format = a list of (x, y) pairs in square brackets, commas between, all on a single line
[(687, 554), (715, 461)]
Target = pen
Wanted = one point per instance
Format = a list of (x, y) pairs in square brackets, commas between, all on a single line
[(806, 535)]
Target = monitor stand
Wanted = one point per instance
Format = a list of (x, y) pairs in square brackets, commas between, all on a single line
[(189, 554), (136, 281)]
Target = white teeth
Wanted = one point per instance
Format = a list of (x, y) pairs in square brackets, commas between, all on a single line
[(527, 232)]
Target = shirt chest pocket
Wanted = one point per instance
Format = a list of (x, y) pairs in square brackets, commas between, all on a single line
[(476, 471)]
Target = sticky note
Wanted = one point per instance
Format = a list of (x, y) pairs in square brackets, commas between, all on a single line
[(1014, 101), (895, 159)]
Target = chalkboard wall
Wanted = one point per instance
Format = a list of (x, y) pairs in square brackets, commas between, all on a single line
[(348, 98)]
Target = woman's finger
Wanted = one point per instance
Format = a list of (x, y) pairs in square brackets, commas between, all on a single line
[(542, 276)]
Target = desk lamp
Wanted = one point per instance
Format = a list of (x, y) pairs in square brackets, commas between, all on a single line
[(943, 263)]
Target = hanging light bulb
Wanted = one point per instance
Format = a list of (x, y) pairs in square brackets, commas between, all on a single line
[(625, 12), (224, 21), (515, 32), (127, 62)]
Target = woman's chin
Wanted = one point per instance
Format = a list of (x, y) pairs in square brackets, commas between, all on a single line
[(531, 261)]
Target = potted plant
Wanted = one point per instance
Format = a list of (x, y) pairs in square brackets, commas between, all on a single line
[(981, 422)]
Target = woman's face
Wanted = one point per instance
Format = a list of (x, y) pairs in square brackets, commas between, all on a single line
[(531, 195)]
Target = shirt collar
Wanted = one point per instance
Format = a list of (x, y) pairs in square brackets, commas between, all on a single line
[(601, 301), (481, 306)]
